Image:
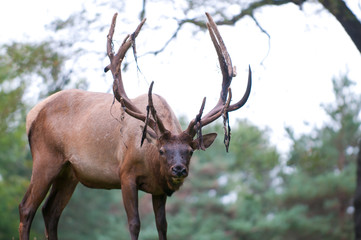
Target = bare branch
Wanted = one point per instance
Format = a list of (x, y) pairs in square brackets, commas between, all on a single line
[(347, 18), (249, 11), (142, 13), (265, 32), (180, 25)]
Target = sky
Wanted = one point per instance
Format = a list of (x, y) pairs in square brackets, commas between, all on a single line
[(292, 71)]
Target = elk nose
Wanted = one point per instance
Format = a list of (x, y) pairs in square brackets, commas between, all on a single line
[(179, 171)]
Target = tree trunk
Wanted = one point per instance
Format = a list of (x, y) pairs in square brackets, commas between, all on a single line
[(357, 200), (345, 16)]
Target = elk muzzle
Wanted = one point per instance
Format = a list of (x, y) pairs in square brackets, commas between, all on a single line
[(179, 171)]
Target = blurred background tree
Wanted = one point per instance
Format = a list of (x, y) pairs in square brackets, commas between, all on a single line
[(21, 64), (323, 164)]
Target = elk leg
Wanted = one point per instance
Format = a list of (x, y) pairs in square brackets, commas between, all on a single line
[(35, 194), (130, 200), (33, 197), (60, 194), (160, 215), (41, 180)]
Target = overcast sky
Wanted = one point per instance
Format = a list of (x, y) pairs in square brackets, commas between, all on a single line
[(291, 76)]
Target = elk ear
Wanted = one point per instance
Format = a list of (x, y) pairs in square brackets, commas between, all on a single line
[(208, 139)]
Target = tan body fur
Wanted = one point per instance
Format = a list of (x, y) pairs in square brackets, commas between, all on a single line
[(79, 136), (93, 135)]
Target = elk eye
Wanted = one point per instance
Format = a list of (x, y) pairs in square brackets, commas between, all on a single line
[(190, 152), (161, 151)]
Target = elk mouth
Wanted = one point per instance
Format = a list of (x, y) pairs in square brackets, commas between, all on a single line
[(177, 180)]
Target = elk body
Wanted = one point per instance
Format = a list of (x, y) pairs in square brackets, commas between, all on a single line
[(79, 136)]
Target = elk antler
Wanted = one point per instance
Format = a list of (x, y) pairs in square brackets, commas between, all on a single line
[(223, 105), (118, 88)]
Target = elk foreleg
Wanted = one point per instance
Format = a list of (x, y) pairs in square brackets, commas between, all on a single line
[(130, 200), (160, 216)]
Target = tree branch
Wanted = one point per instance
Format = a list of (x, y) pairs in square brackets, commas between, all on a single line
[(167, 42), (337, 8), (267, 34), (347, 19), (225, 21), (142, 13)]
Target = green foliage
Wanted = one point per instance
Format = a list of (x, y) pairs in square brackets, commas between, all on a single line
[(11, 191), (20, 65), (28, 72), (324, 176), (94, 214), (332, 146)]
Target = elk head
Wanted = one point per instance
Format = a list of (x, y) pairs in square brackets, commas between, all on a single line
[(175, 149)]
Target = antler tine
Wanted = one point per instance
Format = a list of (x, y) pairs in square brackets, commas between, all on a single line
[(128, 41), (110, 51), (115, 62), (125, 45), (159, 123), (137, 115), (223, 57), (225, 64), (228, 72), (223, 109), (244, 99), (230, 108), (196, 123)]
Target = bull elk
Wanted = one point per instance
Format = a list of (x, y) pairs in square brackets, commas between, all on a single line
[(74, 138)]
